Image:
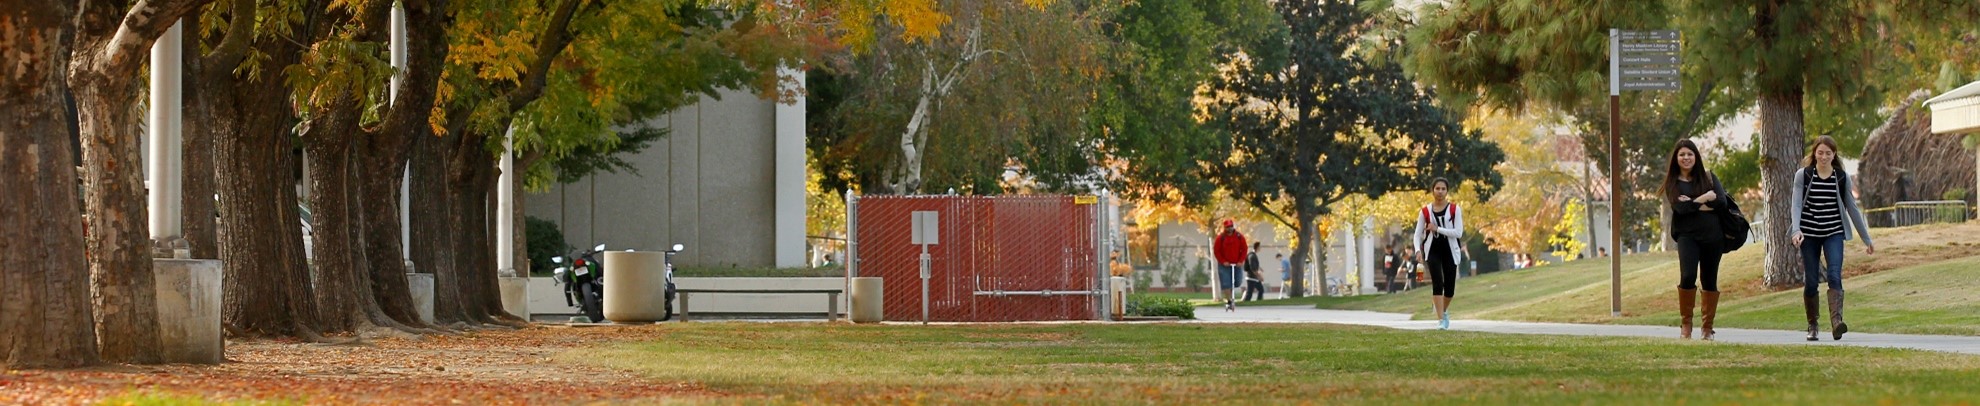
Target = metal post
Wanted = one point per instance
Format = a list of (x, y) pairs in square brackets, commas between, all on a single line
[(924, 284), (1615, 174)]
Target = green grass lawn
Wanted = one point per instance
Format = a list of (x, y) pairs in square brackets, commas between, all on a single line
[(1919, 282), (1321, 364)]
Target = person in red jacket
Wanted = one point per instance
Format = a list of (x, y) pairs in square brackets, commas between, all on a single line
[(1230, 253)]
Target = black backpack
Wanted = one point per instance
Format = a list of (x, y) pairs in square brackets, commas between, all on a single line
[(1732, 221)]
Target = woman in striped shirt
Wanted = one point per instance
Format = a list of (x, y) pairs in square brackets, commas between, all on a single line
[(1822, 199)]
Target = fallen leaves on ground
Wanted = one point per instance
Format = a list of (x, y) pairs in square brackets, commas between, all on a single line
[(475, 368)]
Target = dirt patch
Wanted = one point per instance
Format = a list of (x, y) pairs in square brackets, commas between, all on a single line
[(482, 368)]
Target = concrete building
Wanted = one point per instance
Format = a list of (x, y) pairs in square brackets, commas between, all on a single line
[(1957, 112), (728, 182)]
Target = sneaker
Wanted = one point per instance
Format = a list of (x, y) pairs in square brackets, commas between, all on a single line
[(1444, 323)]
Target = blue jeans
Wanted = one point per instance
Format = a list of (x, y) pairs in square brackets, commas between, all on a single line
[(1813, 251), (1230, 276)]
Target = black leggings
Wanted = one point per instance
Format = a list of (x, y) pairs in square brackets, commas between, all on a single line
[(1443, 273), (1698, 262)]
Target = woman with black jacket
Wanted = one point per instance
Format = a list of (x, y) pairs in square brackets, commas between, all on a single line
[(1696, 200)]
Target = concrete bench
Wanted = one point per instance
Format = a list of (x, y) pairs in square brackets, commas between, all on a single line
[(831, 297)]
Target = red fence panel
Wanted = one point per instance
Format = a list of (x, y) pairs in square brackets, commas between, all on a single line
[(1004, 258)]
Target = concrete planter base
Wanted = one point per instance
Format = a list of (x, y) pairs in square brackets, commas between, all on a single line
[(421, 285), (189, 311), (515, 296)]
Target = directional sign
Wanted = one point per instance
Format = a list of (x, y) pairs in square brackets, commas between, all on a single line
[(1626, 59), (1649, 71), (1650, 35), (1644, 60), (1638, 47), (1648, 85)]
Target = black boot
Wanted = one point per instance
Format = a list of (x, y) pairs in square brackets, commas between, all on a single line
[(1836, 324)]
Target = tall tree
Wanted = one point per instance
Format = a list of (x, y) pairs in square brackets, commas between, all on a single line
[(1330, 124), (1166, 52), (1006, 87), (113, 40), (384, 150), (45, 315), (244, 106), (340, 85)]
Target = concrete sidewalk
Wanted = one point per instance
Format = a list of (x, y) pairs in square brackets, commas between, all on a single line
[(1308, 314)]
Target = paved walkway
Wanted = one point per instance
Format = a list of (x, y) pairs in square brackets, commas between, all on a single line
[(1308, 314)]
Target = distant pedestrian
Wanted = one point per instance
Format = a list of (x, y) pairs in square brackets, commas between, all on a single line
[(1821, 200), (1439, 234), (1254, 276), (1285, 274), (1390, 265), (1229, 249), (1696, 198)]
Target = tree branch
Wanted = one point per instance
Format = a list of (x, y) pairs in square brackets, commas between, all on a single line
[(240, 34), (554, 40), (1697, 107), (126, 47)]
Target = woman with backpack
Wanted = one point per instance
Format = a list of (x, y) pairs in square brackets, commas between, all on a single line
[(1439, 229), (1697, 200), (1821, 199)]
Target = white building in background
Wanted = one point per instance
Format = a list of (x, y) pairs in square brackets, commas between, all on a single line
[(729, 182)]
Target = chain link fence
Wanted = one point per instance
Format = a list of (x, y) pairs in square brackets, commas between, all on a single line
[(1003, 258)]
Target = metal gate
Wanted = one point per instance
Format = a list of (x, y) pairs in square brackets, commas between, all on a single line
[(1003, 258)]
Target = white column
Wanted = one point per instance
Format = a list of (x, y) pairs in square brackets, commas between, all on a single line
[(1368, 261), (790, 173), (162, 135), (398, 50), (505, 209)]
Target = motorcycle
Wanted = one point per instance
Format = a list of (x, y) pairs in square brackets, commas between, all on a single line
[(584, 282)]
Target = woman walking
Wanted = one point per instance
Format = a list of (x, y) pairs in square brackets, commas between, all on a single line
[(1821, 199), (1439, 228), (1696, 200)]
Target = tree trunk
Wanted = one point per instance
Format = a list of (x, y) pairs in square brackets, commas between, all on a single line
[(267, 289), (343, 285), (383, 154), (519, 243), (1302, 248), (471, 177), (119, 240), (45, 315), (433, 244), (380, 171), (197, 177), (1781, 141)]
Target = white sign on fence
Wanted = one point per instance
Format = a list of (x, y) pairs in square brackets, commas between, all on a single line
[(925, 226)]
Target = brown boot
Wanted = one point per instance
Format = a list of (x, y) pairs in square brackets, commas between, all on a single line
[(1711, 309), (1836, 324), (1687, 298), (1814, 313)]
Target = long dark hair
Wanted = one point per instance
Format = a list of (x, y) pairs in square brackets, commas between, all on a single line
[(1835, 163), (1698, 172)]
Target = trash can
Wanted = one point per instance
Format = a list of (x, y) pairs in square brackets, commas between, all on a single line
[(867, 299)]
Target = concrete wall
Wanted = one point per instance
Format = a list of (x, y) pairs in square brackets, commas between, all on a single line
[(711, 184)]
